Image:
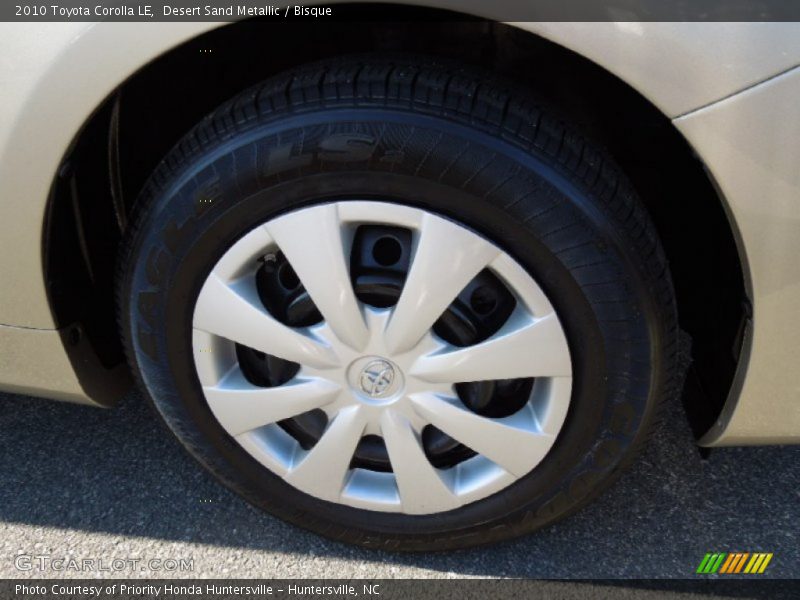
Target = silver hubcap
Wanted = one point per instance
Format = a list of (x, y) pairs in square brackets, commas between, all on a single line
[(380, 372)]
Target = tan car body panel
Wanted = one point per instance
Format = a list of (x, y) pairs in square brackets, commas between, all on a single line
[(751, 143), (33, 362), (53, 75)]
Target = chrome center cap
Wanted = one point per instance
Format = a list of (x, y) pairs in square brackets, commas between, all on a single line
[(375, 380)]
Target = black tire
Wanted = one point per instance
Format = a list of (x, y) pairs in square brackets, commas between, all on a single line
[(454, 141)]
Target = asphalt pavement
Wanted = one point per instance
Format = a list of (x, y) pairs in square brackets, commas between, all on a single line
[(84, 483)]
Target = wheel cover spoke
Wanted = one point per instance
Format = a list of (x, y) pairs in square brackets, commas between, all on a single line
[(234, 313), (421, 487), (508, 442), (447, 257), (240, 406), (323, 470), (313, 243), (523, 348)]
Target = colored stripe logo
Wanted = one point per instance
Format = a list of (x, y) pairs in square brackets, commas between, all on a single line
[(728, 563)]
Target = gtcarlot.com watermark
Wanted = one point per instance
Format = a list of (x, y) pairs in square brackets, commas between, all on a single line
[(44, 562)]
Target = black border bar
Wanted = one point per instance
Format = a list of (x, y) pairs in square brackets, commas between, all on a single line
[(390, 589), (498, 10)]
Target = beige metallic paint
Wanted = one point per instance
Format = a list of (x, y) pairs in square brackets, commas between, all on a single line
[(22, 369), (751, 143)]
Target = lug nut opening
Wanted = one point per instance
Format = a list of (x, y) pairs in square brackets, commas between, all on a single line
[(288, 277), (483, 300), (387, 251)]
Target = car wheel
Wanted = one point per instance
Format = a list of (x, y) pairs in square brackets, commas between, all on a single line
[(400, 304)]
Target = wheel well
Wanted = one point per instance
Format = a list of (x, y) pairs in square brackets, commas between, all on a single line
[(128, 135)]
